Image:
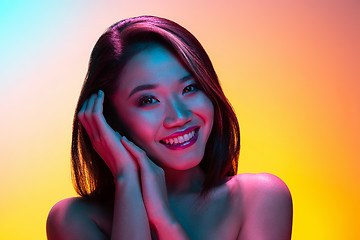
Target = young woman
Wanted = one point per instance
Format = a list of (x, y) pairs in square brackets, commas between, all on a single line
[(155, 147)]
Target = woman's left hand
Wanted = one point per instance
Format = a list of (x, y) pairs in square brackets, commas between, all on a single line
[(153, 185), (155, 196)]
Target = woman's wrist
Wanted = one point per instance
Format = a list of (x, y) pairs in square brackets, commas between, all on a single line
[(126, 176)]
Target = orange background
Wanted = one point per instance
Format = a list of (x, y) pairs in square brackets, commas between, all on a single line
[(290, 69)]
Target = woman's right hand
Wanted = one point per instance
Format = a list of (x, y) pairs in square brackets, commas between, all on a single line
[(104, 139), (130, 220)]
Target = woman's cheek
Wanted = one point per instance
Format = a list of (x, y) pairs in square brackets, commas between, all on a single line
[(143, 126), (204, 108)]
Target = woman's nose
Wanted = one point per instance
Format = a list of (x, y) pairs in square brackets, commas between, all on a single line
[(177, 114)]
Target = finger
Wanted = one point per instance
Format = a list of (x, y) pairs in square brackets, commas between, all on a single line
[(118, 135), (99, 101), (82, 118), (138, 153), (83, 107), (89, 116), (97, 114), (90, 104), (98, 117), (82, 110)]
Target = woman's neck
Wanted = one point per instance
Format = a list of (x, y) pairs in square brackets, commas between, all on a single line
[(180, 182)]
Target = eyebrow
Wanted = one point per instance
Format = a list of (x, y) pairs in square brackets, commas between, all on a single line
[(153, 86)]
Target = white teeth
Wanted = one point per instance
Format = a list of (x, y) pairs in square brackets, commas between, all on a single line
[(191, 134), (186, 137), (180, 139)]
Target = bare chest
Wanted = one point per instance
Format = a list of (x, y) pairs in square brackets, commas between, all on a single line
[(216, 218)]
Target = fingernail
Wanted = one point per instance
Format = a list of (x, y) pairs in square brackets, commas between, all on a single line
[(100, 93)]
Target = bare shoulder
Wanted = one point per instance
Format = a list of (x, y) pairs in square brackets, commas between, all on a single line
[(267, 206), (259, 183), (73, 218)]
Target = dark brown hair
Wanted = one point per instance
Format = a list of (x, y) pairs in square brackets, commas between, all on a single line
[(91, 177)]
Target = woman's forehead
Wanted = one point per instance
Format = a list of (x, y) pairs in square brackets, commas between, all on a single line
[(153, 65)]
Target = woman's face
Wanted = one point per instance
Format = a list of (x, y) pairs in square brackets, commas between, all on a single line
[(163, 110)]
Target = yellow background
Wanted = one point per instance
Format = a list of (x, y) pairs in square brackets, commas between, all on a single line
[(290, 69)]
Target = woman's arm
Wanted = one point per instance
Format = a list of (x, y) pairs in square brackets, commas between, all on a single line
[(129, 218), (154, 193)]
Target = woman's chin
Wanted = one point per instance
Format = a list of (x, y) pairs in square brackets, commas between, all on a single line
[(187, 164)]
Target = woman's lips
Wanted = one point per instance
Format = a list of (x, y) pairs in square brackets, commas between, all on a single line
[(180, 133), (181, 141)]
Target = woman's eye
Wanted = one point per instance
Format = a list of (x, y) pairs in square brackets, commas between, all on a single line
[(191, 88), (147, 100)]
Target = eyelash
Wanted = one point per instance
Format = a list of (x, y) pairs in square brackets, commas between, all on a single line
[(194, 86), (142, 100)]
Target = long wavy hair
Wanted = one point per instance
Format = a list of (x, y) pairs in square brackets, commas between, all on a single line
[(91, 177)]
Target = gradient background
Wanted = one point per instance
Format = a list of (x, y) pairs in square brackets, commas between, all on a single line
[(290, 69)]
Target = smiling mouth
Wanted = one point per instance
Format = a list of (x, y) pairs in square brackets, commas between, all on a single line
[(181, 141)]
